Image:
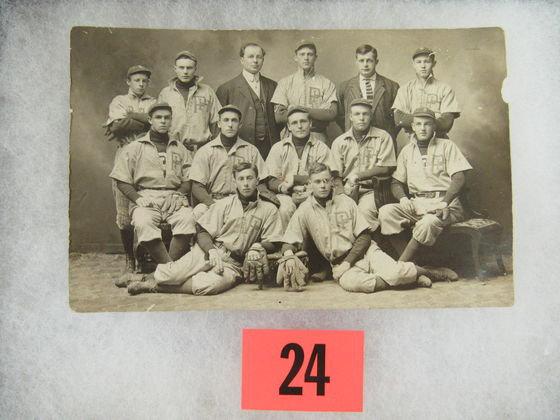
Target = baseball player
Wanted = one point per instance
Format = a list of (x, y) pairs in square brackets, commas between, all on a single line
[(289, 160), (128, 119), (364, 154), (428, 92), (251, 92), (342, 236), (211, 172), (308, 89), (432, 170), (151, 173), (240, 226), (378, 90), (195, 105)]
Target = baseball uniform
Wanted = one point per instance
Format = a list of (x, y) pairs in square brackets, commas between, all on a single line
[(353, 156), (155, 175), (233, 229), (334, 230), (428, 177)]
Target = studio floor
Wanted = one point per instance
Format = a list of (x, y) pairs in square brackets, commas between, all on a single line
[(92, 290)]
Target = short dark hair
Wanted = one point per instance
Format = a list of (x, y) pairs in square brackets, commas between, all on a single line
[(250, 44), (317, 168), (241, 166), (366, 48)]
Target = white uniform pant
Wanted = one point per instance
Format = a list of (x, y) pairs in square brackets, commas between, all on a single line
[(368, 209), (286, 210), (193, 266), (376, 264), (394, 219)]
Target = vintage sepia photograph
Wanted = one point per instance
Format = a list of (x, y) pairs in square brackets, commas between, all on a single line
[(280, 169)]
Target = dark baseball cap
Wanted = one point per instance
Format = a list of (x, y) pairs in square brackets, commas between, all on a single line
[(159, 105), (423, 51), (305, 43), (138, 69), (361, 101), (231, 108), (294, 109), (424, 112), (186, 54)]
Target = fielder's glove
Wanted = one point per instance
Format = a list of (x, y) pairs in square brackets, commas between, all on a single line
[(291, 273), (255, 266), (269, 196)]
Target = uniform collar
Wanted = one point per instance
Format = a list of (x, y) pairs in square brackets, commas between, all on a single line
[(146, 139), (217, 142), (372, 132), (197, 80), (311, 142), (250, 77), (414, 140), (429, 80), (311, 75), (132, 95), (315, 203)]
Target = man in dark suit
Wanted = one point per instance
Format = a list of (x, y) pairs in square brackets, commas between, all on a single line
[(251, 93), (378, 90)]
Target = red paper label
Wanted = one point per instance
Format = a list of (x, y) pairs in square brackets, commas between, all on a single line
[(304, 370)]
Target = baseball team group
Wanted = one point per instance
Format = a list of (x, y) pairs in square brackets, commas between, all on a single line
[(246, 175)]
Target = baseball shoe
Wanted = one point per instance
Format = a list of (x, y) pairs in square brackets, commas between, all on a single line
[(147, 285), (127, 278), (423, 281), (441, 274), (320, 276)]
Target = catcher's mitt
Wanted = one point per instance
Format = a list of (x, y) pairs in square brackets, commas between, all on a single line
[(292, 273), (255, 269)]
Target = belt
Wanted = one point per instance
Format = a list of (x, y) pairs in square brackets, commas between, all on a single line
[(429, 194), (156, 188)]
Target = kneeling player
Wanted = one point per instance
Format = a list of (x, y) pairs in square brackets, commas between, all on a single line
[(236, 227), (342, 237)]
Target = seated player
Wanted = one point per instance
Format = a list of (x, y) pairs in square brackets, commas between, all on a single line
[(211, 171), (342, 236), (240, 225), (151, 173), (289, 160), (432, 170), (364, 153)]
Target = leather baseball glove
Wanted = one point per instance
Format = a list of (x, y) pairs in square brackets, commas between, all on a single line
[(292, 273), (255, 265)]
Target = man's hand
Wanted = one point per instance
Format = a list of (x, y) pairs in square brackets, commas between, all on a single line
[(291, 273), (407, 205), (340, 269), (299, 194), (442, 214), (144, 202), (352, 179), (216, 261)]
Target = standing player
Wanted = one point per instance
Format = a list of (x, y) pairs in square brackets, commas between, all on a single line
[(152, 173), (432, 170), (426, 92), (342, 237), (306, 88), (195, 105), (379, 91), (289, 161), (234, 227), (251, 92), (128, 119)]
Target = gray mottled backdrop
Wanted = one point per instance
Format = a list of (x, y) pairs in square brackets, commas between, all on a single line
[(432, 363), (472, 61)]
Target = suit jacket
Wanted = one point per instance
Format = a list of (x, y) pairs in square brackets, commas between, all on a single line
[(237, 92), (384, 95)]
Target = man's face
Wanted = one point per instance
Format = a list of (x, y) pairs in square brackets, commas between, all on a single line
[(305, 58), (366, 64), (321, 184), (423, 127), (360, 117), (160, 120), (423, 65), (229, 123), (253, 59), (299, 125), (138, 83), (185, 69), (246, 182)]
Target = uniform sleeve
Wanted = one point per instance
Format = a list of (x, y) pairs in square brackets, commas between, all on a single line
[(125, 165), (328, 159), (214, 107), (337, 155), (259, 163), (386, 155), (117, 110), (272, 227), (199, 170), (280, 95), (187, 163), (400, 173), (455, 160), (400, 100), (360, 223), (296, 231), (213, 220), (449, 102), (274, 163), (330, 94)]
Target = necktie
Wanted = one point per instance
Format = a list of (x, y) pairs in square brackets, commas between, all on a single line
[(369, 90)]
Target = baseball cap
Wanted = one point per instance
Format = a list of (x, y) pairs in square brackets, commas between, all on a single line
[(138, 69), (424, 112), (159, 105), (230, 107), (294, 109), (423, 51), (305, 43), (186, 54), (361, 101)]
